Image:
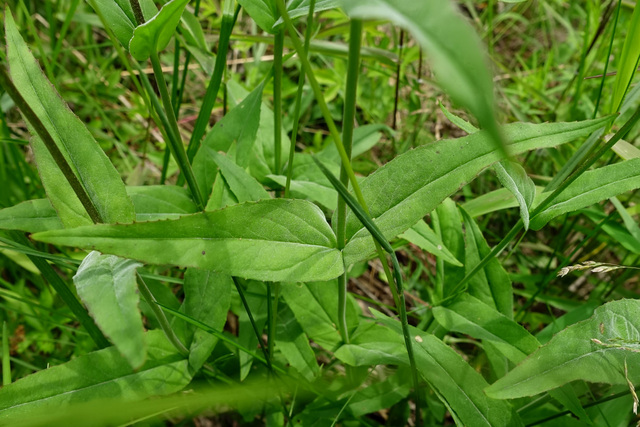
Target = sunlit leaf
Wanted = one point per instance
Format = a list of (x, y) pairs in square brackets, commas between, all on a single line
[(154, 35)]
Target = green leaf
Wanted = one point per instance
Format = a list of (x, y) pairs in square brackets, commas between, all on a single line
[(81, 151), (470, 316), (381, 395), (294, 344), (513, 177), (594, 350), (592, 187), (426, 239), (244, 186), (460, 385), (277, 240), (207, 298), (151, 202), (119, 16), (155, 34), (96, 375), (458, 121), (401, 192), (239, 125), (266, 15), (106, 284), (492, 285), (496, 200), (258, 305), (457, 55), (628, 61)]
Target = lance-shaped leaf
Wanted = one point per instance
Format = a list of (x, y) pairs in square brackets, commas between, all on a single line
[(266, 15), (98, 375), (456, 52), (513, 177), (278, 240), (593, 350), (155, 34), (426, 239), (118, 15), (88, 162), (404, 190), (628, 61), (106, 284), (592, 187), (244, 186)]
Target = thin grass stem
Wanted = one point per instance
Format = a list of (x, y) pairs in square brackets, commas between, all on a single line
[(6, 360)]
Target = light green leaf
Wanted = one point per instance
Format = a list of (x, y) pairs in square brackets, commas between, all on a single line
[(496, 200), (400, 193), (592, 187), (118, 16), (32, 216), (106, 284), (426, 239), (244, 186), (492, 285), (628, 61), (277, 240), (266, 15), (460, 385), (294, 344), (457, 55), (319, 193), (469, 315), (594, 350), (513, 177), (81, 151), (155, 34), (239, 125), (207, 298), (625, 150), (458, 121), (98, 375)]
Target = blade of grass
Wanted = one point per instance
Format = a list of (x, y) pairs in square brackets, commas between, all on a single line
[(278, 47), (6, 361)]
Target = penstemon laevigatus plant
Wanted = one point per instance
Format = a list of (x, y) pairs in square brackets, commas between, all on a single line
[(274, 259)]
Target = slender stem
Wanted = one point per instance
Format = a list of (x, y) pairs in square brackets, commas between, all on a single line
[(253, 322), (160, 316), (49, 142), (398, 76), (333, 130), (278, 46), (606, 64), (296, 111)]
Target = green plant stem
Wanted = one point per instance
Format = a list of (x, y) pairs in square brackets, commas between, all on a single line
[(317, 91), (606, 63), (49, 142), (545, 203), (296, 111), (278, 47), (6, 360), (355, 43), (160, 316), (174, 141), (228, 21), (245, 304)]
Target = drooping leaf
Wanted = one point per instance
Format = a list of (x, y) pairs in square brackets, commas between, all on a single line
[(277, 240), (106, 284), (98, 375), (470, 316), (492, 285), (244, 186), (400, 193), (207, 297), (513, 177), (89, 163), (592, 187), (457, 56), (426, 239), (594, 350), (155, 34), (239, 125)]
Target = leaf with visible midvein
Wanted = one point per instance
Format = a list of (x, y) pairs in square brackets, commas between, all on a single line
[(98, 375), (118, 15), (81, 151), (457, 55), (245, 187), (106, 284), (403, 191), (592, 187), (594, 350), (155, 34), (513, 176), (277, 240)]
